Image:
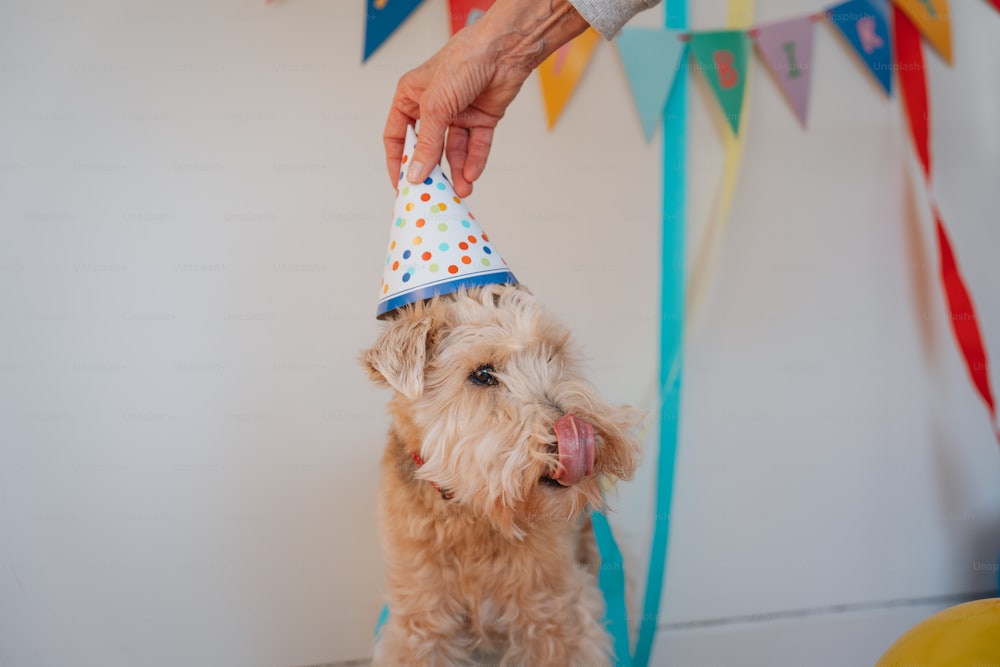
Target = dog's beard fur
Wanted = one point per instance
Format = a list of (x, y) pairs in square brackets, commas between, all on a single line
[(490, 446)]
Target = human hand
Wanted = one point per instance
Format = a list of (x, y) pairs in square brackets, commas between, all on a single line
[(461, 93), (459, 96)]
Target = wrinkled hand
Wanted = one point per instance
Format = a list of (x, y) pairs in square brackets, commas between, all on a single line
[(459, 95)]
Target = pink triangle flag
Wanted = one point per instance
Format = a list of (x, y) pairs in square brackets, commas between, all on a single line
[(787, 48)]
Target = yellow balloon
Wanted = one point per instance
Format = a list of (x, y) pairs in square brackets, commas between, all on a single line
[(960, 636)]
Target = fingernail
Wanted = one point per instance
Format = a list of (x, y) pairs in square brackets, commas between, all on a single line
[(413, 173)]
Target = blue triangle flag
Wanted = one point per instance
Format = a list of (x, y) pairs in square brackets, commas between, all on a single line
[(651, 57), (865, 24), (382, 19)]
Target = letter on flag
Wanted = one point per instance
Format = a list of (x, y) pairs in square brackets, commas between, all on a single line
[(865, 24), (722, 58), (465, 12), (787, 48), (932, 19)]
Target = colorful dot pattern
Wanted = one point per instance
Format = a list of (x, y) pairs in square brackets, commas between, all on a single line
[(435, 240)]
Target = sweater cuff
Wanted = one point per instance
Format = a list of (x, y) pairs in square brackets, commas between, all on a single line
[(608, 16)]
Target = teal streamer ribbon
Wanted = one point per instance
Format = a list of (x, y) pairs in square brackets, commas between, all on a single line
[(671, 333), (611, 579), (382, 618)]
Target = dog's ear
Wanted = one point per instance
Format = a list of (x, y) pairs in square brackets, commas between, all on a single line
[(398, 357)]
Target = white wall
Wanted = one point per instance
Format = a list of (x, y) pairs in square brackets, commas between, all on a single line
[(193, 208)]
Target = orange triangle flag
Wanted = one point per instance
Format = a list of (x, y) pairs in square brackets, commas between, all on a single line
[(562, 70), (932, 19)]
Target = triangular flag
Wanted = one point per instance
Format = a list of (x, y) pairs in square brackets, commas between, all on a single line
[(787, 48), (562, 70), (651, 57), (465, 12), (722, 58), (383, 17), (865, 24), (931, 18)]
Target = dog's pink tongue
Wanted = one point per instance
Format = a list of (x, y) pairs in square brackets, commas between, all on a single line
[(576, 450)]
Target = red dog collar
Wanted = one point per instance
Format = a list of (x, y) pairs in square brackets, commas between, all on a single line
[(445, 494)]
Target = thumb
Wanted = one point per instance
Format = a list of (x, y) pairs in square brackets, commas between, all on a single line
[(430, 146)]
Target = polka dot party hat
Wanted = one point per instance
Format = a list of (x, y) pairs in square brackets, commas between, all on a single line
[(435, 245)]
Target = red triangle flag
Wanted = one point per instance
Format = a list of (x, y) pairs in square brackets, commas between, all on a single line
[(464, 12)]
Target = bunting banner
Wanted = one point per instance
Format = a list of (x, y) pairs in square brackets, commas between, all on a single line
[(651, 57), (932, 18), (382, 19), (465, 12), (961, 311), (786, 47), (723, 57), (865, 24), (561, 72)]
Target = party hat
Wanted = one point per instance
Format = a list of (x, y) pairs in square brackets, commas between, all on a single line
[(435, 244)]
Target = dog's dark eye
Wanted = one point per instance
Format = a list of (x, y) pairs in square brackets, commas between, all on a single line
[(484, 376)]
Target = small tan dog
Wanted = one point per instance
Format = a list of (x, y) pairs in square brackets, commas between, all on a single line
[(497, 449)]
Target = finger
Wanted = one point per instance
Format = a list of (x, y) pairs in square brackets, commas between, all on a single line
[(394, 139), (480, 142), (430, 142), (471, 117), (456, 148)]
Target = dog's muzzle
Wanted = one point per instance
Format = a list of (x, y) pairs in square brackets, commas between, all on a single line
[(575, 440)]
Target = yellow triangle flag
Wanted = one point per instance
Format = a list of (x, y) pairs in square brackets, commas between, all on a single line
[(562, 70), (932, 19)]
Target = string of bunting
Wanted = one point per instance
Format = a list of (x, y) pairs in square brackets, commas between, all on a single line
[(784, 46)]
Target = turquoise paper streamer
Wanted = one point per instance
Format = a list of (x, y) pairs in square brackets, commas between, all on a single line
[(671, 333), (612, 582), (382, 618)]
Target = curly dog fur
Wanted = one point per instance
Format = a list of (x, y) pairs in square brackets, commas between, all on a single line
[(485, 554)]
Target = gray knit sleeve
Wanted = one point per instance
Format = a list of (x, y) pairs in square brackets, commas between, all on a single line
[(608, 16)]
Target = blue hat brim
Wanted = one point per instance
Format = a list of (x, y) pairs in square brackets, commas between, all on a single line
[(443, 286)]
